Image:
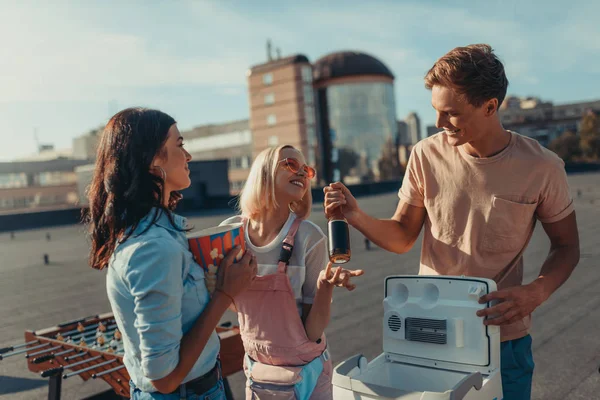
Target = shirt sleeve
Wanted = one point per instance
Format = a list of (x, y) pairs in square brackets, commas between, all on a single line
[(316, 260), (555, 201), (412, 190), (154, 275)]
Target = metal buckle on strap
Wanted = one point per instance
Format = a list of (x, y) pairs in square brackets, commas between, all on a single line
[(325, 355), (286, 253)]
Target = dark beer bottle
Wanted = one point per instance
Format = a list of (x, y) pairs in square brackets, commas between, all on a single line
[(339, 238)]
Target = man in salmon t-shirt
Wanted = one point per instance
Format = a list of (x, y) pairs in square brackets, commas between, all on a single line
[(478, 189)]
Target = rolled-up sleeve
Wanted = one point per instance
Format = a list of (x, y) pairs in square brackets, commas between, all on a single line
[(154, 275), (555, 201)]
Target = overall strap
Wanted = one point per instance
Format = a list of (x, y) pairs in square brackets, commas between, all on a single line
[(288, 246)]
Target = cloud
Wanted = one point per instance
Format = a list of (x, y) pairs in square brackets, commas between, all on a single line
[(576, 42), (404, 34), (92, 65), (56, 59), (71, 57)]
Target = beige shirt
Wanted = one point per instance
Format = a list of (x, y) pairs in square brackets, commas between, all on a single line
[(481, 212)]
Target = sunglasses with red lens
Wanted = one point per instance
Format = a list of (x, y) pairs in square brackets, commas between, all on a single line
[(293, 165)]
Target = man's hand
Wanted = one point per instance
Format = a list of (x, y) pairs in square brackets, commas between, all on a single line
[(515, 303), (338, 196)]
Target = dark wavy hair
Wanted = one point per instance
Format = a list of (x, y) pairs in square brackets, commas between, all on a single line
[(473, 71), (123, 190)]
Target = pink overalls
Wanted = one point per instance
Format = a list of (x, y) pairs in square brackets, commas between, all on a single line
[(273, 332)]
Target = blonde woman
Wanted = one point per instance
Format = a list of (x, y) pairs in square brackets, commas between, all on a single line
[(285, 310)]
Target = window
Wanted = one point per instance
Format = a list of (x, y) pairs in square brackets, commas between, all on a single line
[(311, 156), (242, 162), (334, 155), (54, 178), (246, 162), (13, 180), (235, 163), (309, 115), (308, 94), (307, 74), (273, 141), (236, 186), (269, 99), (268, 79), (336, 175), (271, 119), (310, 135)]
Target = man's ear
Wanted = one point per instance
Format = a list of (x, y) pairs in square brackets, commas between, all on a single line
[(491, 107)]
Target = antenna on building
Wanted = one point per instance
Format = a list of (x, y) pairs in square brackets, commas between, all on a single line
[(278, 53), (269, 56)]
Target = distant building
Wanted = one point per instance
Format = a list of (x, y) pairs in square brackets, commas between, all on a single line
[(282, 104), (39, 185), (541, 120), (232, 141), (339, 111), (357, 123), (403, 154), (432, 130), (209, 187), (46, 152), (414, 127), (403, 137), (85, 146)]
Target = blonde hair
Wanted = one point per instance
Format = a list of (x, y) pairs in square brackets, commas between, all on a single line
[(258, 193)]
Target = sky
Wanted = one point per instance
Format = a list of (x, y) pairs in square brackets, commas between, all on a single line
[(66, 67)]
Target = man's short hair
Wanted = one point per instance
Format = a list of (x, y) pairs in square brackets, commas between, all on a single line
[(473, 71)]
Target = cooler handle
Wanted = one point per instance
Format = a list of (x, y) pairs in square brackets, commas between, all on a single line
[(460, 390)]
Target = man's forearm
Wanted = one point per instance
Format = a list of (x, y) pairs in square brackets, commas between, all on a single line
[(557, 268), (388, 234)]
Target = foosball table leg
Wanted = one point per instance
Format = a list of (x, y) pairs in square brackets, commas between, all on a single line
[(54, 387), (228, 393)]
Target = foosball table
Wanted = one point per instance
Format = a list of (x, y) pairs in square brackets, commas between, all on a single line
[(92, 348)]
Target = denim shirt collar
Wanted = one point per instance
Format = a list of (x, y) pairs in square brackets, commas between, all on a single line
[(162, 220)]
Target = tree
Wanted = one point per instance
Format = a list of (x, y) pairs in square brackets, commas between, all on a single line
[(347, 159), (389, 165), (589, 133), (566, 146)]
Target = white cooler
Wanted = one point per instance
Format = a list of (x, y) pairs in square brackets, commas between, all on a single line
[(435, 347)]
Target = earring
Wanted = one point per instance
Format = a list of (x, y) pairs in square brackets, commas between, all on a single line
[(163, 174)]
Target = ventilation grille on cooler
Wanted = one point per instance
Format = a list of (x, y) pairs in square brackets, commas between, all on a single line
[(394, 323), (425, 330)]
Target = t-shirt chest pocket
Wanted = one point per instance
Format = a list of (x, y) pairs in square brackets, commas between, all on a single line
[(507, 225)]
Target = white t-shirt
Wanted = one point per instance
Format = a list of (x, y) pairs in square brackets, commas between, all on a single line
[(309, 257)]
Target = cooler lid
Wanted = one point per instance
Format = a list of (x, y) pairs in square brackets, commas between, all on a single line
[(432, 321)]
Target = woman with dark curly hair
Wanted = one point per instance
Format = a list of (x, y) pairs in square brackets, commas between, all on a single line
[(155, 288)]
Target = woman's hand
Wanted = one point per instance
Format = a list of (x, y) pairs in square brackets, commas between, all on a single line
[(234, 278), (339, 277)]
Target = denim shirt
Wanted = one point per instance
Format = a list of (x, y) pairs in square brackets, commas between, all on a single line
[(157, 291)]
